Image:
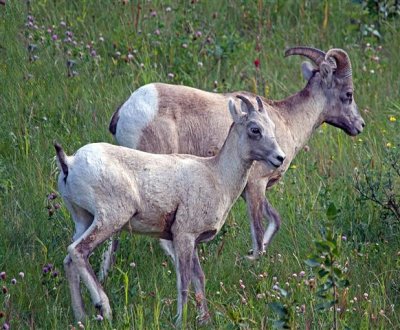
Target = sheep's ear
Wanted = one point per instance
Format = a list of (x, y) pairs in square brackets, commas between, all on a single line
[(307, 70), (235, 113), (326, 74)]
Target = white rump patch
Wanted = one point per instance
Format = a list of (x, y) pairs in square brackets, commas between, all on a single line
[(135, 114)]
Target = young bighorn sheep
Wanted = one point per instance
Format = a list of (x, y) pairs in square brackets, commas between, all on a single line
[(182, 199), (162, 118)]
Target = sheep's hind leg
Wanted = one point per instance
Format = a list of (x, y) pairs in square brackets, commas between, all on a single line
[(108, 258), (273, 226), (80, 250), (184, 249), (82, 220), (254, 194), (198, 280)]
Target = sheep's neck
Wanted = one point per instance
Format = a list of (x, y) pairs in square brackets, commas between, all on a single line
[(302, 114), (232, 169)]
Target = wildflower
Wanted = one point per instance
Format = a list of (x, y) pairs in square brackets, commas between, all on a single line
[(4, 289), (344, 238), (93, 53), (241, 284), (392, 119), (200, 64), (366, 296), (3, 275), (54, 274), (2, 314), (63, 24), (388, 145), (293, 166), (302, 273), (142, 65), (198, 34), (257, 63), (382, 312), (184, 45), (260, 296), (54, 37), (69, 34), (49, 30), (274, 279), (157, 32), (129, 57), (13, 281), (153, 13), (372, 71), (80, 325), (6, 326), (275, 287), (21, 274), (117, 54), (101, 39), (168, 9), (244, 301), (294, 275)]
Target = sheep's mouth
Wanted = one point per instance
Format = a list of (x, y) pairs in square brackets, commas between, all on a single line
[(274, 164)]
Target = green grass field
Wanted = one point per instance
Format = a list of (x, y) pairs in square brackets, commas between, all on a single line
[(64, 68)]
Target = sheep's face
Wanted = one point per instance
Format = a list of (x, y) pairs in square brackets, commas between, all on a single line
[(340, 108), (257, 134)]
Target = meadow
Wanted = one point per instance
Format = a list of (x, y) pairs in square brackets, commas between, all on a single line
[(65, 66)]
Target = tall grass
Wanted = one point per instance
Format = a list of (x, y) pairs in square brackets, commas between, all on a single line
[(212, 45)]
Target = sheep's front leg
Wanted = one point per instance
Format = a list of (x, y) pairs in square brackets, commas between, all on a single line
[(184, 249), (198, 280)]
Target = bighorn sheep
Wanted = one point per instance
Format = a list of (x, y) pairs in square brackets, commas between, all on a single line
[(182, 199), (162, 118)]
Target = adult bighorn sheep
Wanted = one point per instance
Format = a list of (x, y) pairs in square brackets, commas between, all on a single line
[(162, 118), (182, 199)]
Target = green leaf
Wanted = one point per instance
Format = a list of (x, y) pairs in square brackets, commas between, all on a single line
[(283, 292), (312, 263), (324, 306), (322, 273), (279, 309), (280, 324), (332, 212)]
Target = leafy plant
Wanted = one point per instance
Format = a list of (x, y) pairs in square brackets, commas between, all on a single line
[(332, 275)]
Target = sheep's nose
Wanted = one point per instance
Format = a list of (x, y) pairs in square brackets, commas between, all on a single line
[(280, 158)]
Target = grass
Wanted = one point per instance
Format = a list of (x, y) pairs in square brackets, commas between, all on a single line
[(60, 90)]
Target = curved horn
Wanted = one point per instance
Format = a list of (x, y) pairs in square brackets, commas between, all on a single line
[(314, 54), (260, 104), (343, 64), (249, 105)]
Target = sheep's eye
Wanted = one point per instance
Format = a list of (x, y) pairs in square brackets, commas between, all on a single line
[(255, 130), (349, 96)]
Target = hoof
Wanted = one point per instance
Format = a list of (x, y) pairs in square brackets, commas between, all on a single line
[(204, 319)]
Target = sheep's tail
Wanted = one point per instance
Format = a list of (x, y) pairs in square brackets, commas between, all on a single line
[(114, 121), (61, 159)]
